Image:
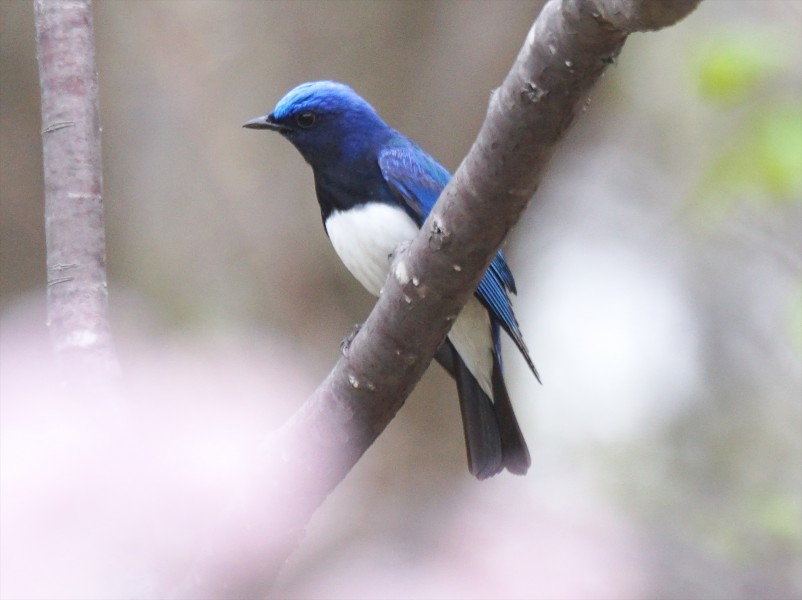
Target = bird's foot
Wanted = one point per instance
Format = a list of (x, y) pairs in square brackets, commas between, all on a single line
[(346, 343)]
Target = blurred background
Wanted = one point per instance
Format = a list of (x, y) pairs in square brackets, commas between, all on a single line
[(658, 270)]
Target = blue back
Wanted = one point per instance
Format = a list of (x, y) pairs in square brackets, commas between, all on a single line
[(416, 180)]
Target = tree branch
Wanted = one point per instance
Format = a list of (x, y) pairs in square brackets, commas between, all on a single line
[(77, 298), (567, 50)]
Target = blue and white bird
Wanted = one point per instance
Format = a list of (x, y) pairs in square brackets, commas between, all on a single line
[(375, 188)]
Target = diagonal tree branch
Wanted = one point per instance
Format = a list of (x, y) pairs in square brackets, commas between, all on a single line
[(566, 52), (77, 299)]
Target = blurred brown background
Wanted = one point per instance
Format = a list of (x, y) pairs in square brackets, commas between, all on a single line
[(658, 268)]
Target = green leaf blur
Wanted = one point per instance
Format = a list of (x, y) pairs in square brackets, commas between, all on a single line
[(760, 160), (732, 65), (764, 162)]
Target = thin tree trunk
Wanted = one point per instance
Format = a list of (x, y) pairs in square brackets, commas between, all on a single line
[(77, 296)]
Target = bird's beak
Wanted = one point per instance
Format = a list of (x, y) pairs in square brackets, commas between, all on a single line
[(265, 122)]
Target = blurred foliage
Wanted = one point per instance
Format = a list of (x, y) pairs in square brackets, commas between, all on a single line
[(763, 161), (762, 157), (732, 64), (779, 515)]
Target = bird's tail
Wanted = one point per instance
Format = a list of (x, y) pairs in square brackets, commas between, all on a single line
[(493, 438)]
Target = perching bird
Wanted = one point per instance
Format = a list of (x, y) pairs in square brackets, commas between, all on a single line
[(375, 188)]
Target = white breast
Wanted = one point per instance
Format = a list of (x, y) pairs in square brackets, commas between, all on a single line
[(365, 236)]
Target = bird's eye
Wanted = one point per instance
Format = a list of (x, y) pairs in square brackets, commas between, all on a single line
[(306, 119)]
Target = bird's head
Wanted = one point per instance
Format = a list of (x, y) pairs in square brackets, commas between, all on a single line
[(326, 121)]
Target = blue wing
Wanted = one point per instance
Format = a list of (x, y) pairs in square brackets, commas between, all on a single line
[(415, 179)]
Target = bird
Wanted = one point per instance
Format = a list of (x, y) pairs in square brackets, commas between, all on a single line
[(375, 188)]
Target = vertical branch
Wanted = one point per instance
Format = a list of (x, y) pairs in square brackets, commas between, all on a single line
[(77, 297)]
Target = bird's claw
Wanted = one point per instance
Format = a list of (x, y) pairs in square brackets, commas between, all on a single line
[(346, 343)]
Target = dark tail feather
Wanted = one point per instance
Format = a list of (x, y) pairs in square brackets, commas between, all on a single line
[(445, 357), (492, 436), (513, 445), (482, 439)]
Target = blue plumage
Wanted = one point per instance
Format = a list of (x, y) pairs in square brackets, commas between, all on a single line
[(375, 188), (416, 181)]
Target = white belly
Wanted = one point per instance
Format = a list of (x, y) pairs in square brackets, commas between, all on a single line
[(365, 237), (470, 335)]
